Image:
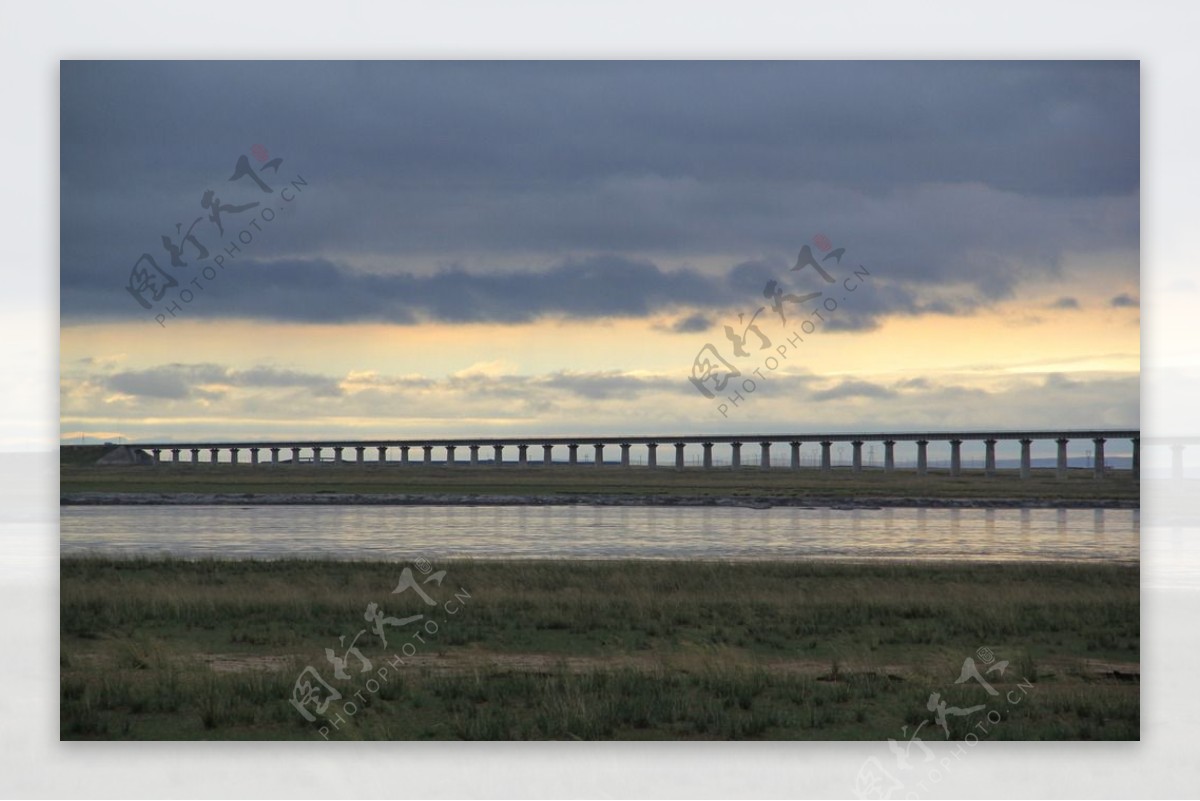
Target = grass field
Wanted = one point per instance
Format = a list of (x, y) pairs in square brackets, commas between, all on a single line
[(636, 482), (174, 649)]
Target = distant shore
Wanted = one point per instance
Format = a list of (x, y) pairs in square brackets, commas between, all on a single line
[(440, 499)]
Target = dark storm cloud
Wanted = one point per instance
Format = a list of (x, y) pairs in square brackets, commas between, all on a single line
[(977, 173)]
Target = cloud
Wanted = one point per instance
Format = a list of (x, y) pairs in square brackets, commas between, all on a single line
[(1124, 300), (852, 388), (691, 324), (1064, 303), (185, 381)]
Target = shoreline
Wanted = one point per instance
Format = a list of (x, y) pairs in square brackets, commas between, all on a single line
[(417, 499)]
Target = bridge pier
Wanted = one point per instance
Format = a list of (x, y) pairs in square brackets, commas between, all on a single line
[(989, 458), (174, 455), (214, 455), (624, 454), (233, 455), (254, 456), (1098, 454), (574, 451), (337, 453), (599, 448), (1061, 467), (1026, 458), (156, 452), (764, 461), (523, 455), (547, 455), (922, 457), (679, 464), (826, 456), (274, 456), (295, 457), (857, 455), (497, 455), (651, 454), (889, 455), (195, 455), (708, 446), (449, 456), (382, 453), (316, 455), (956, 457), (474, 455), (359, 450), (795, 455), (735, 455)]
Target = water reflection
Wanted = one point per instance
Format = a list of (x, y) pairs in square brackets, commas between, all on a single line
[(603, 532)]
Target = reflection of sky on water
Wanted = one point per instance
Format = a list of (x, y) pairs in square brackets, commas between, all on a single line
[(602, 532)]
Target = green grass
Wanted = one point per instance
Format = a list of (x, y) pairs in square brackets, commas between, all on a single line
[(748, 483), (177, 649)]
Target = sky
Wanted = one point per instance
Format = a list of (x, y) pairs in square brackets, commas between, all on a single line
[(412, 249)]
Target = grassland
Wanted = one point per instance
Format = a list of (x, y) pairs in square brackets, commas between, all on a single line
[(172, 649), (247, 483)]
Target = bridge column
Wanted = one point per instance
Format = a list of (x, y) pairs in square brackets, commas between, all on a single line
[(679, 446), (1098, 455), (428, 458), (599, 446), (213, 455), (156, 452), (989, 457), (497, 455), (195, 455), (358, 454), (523, 454), (795, 455), (382, 453), (735, 456), (175, 454), (624, 454), (573, 450), (857, 445), (233, 455), (651, 454), (826, 456), (337, 453), (956, 457), (922, 457), (889, 455), (274, 455), (708, 454), (764, 461), (547, 455), (295, 457), (1135, 464), (316, 457), (1176, 461), (1062, 458), (450, 455), (404, 453), (254, 456), (1026, 458), (474, 456)]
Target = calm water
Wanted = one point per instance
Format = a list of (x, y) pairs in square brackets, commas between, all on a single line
[(601, 532)]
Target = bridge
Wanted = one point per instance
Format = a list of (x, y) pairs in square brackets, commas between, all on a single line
[(356, 451)]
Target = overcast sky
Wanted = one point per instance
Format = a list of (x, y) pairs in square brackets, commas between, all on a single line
[(546, 247)]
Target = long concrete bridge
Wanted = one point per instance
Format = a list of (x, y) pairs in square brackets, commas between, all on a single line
[(377, 451)]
